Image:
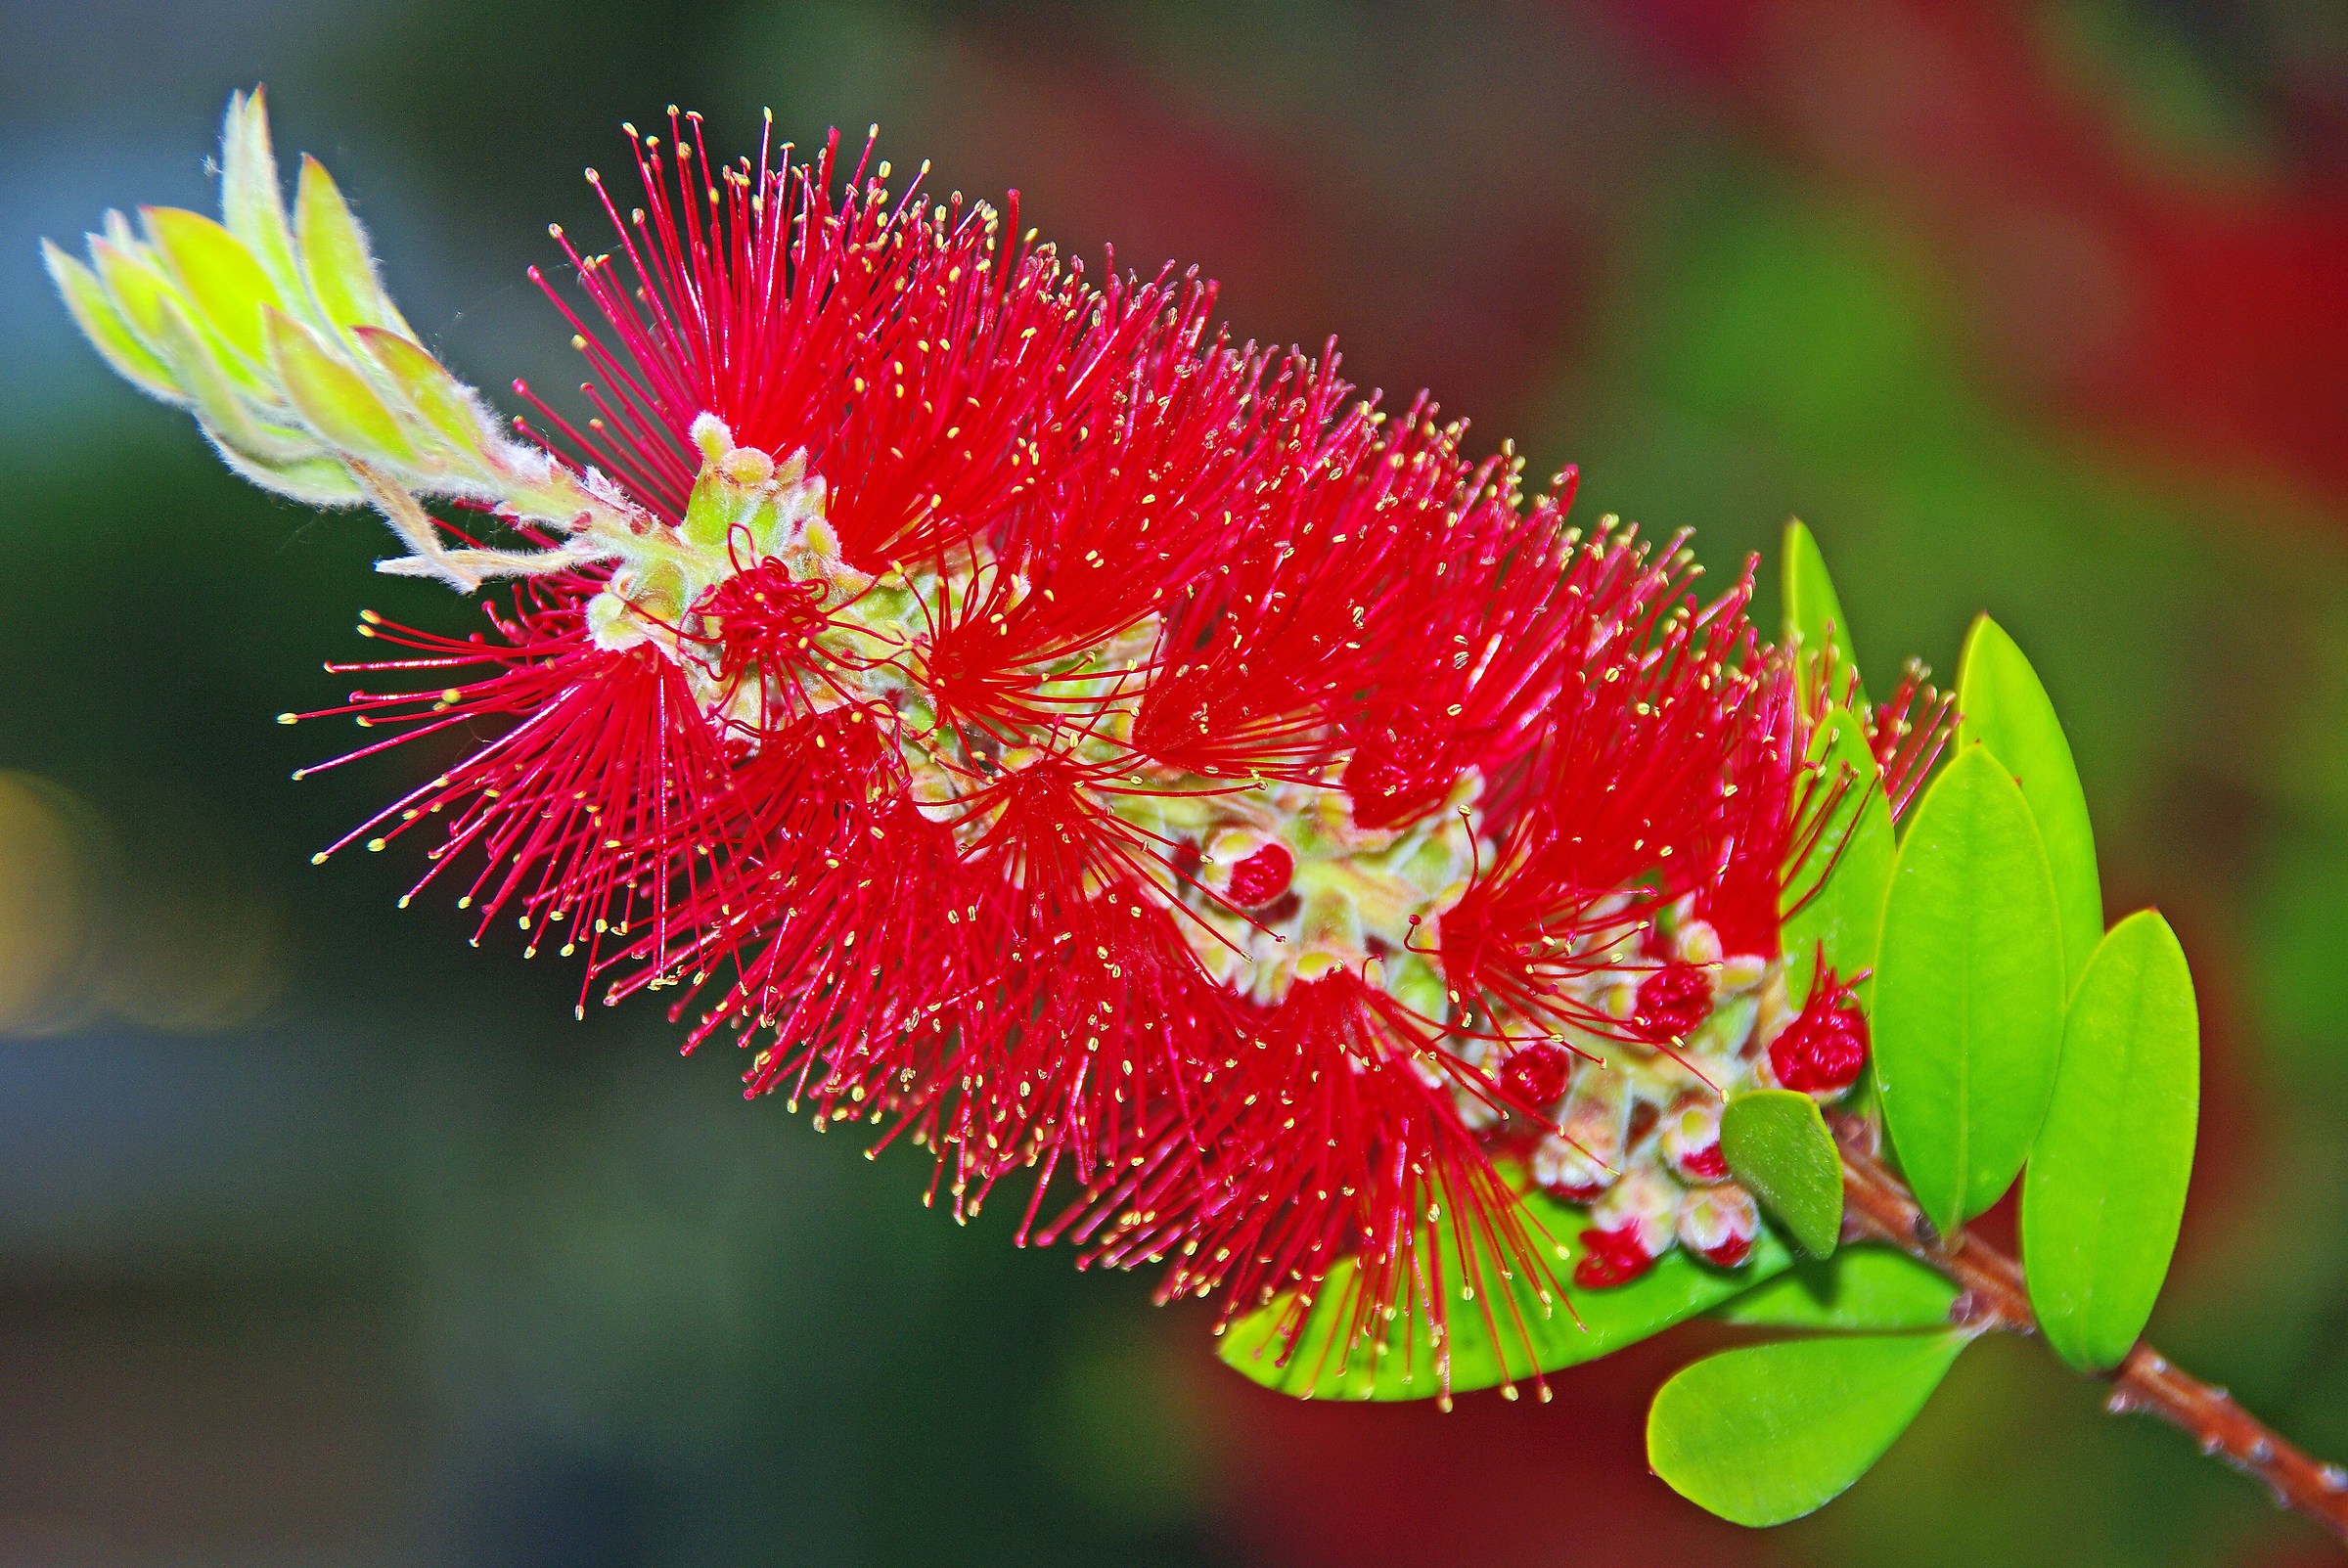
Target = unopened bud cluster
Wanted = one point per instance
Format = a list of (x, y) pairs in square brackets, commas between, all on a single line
[(1634, 1112)]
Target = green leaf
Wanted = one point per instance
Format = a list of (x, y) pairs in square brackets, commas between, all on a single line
[(316, 481), (2007, 710), (1582, 1325), (226, 289), (334, 256), (270, 454), (1771, 1432), (1778, 1145), (1814, 617), (135, 287), (102, 325), (1867, 1285), (1843, 914), (251, 201), (225, 416), (2107, 1183), (1967, 1017), (331, 398), (439, 399)]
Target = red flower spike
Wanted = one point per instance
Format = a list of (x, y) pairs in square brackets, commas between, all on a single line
[(1823, 1049), (1038, 729), (1420, 728), (842, 925), (1333, 1144), (1257, 652)]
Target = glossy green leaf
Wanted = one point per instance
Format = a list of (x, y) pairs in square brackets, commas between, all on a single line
[(1864, 1286), (1583, 1324), (1836, 899), (1779, 1147), (2106, 1188), (2007, 710), (1814, 617), (1967, 1014), (102, 325), (226, 289), (1772, 1432), (331, 398), (335, 255)]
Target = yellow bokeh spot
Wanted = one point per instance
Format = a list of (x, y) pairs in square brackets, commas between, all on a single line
[(46, 902)]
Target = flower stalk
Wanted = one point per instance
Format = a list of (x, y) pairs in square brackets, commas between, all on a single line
[(1996, 1297)]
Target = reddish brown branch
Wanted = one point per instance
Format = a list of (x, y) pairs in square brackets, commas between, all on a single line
[(1879, 1207)]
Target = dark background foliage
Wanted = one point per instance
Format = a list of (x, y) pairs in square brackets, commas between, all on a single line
[(325, 1239)]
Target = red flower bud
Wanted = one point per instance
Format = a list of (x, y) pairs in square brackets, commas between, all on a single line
[(1691, 1139), (1611, 1258), (1536, 1074), (1261, 877), (1823, 1049), (1672, 1001), (1718, 1224), (1566, 1172)]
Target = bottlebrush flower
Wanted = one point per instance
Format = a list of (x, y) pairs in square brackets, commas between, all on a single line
[(1035, 726)]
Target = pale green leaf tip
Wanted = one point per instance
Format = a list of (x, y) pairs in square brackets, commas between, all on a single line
[(1811, 608), (1992, 662)]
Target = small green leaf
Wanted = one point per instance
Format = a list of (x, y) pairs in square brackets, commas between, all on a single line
[(2007, 710), (334, 256), (331, 398), (1814, 617), (437, 398), (1968, 1015), (1864, 1286), (251, 201), (315, 481), (1843, 914), (136, 289), (1771, 1432), (1778, 1145), (225, 416), (2106, 1188), (102, 325), (226, 289), (1583, 1324), (270, 454)]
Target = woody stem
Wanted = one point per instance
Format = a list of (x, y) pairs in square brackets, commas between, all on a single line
[(1878, 1206)]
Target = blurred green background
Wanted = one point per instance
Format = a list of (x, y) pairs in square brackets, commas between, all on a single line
[(326, 1238)]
